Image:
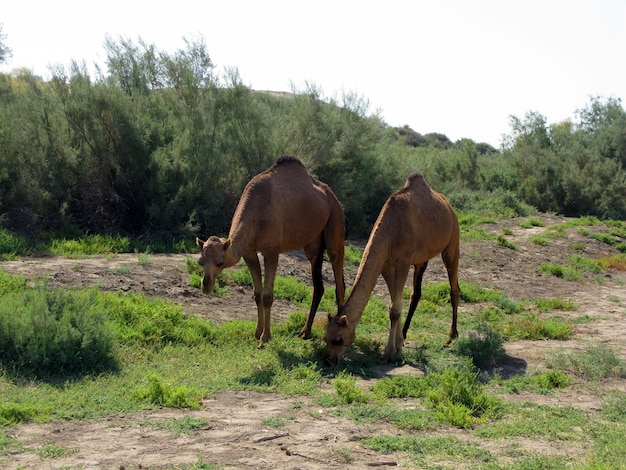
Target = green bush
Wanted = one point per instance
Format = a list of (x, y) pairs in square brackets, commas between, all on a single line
[(482, 345), (55, 332), (458, 398), (163, 394), (11, 245), (10, 284)]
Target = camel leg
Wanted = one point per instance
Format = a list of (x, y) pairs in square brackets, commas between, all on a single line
[(267, 298), (395, 278), (252, 261), (451, 260), (418, 275), (315, 253), (335, 247)]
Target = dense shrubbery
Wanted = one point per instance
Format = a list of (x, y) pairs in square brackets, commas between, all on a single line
[(50, 333), (160, 144)]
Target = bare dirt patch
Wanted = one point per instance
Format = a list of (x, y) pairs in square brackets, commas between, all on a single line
[(312, 438)]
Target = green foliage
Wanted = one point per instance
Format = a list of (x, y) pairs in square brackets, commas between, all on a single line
[(176, 426), (614, 406), (155, 323), (90, 245), (16, 413), (10, 284), (531, 326), (539, 382), (48, 333), (12, 245), (455, 395), (596, 363), (163, 394), (137, 149), (547, 305), (532, 222), (564, 272), (482, 345), (584, 263), (353, 254), (502, 241), (347, 390), (459, 399)]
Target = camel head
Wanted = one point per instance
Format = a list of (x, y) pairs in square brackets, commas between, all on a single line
[(339, 336), (212, 259)]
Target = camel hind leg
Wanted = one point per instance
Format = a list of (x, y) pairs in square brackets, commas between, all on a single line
[(315, 253), (418, 275), (450, 258), (334, 237)]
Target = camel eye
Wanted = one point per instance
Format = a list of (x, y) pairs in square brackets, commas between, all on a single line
[(337, 341), (220, 264)]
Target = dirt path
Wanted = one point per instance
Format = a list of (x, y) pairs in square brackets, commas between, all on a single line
[(311, 438)]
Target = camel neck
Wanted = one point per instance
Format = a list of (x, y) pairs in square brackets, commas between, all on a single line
[(370, 268)]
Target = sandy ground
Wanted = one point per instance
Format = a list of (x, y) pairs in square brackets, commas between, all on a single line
[(312, 438)]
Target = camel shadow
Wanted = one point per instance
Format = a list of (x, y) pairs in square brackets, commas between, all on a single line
[(508, 366)]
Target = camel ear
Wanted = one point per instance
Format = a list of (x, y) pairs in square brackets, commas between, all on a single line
[(199, 242), (226, 244), (343, 320)]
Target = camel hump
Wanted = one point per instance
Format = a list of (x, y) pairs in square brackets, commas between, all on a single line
[(288, 159), (416, 176), (416, 180)]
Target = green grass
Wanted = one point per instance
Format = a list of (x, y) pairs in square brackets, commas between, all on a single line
[(595, 363), (564, 272)]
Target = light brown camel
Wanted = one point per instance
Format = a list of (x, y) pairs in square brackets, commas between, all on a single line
[(415, 224), (281, 209)]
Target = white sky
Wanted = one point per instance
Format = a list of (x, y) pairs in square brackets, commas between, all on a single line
[(459, 67)]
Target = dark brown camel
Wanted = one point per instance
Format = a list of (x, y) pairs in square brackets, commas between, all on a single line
[(415, 224), (281, 209)]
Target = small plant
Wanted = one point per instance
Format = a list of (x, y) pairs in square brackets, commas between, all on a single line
[(347, 391), (144, 259), (533, 327), (483, 345), (551, 380), (539, 240), (458, 398), (124, 270), (507, 231), (344, 454), (582, 262), (163, 394), (177, 426), (353, 254), (273, 422), (564, 272), (596, 363), (502, 241), (50, 451), (578, 246), (601, 237), (547, 305), (532, 222), (15, 413), (614, 406), (47, 332)]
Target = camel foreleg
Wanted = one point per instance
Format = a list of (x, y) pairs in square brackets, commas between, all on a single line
[(252, 261), (395, 277)]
